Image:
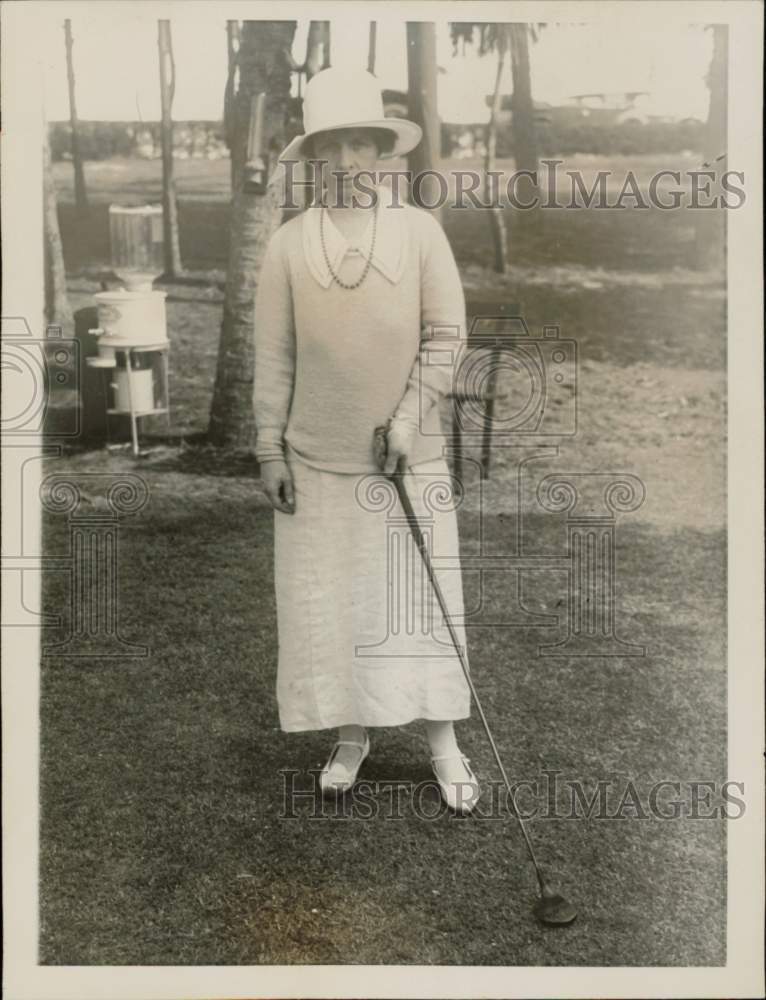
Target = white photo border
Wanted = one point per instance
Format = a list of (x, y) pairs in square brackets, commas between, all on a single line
[(23, 296)]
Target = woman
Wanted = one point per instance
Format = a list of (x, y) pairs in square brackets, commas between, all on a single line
[(359, 315)]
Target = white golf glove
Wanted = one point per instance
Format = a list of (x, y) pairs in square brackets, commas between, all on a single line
[(400, 437)]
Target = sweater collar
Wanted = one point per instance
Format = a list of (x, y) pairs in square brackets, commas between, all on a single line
[(389, 256)]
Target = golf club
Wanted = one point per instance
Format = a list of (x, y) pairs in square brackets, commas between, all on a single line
[(551, 908)]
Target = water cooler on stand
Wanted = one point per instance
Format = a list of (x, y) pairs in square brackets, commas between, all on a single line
[(133, 345)]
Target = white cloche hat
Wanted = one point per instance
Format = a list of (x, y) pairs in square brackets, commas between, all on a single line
[(337, 98)]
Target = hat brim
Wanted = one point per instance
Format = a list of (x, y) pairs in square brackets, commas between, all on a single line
[(407, 133)]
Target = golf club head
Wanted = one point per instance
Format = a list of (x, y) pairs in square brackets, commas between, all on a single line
[(552, 909)]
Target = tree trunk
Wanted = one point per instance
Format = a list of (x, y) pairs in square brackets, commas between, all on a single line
[(263, 67), (80, 191), (172, 247), (710, 223), (58, 310), (232, 48), (496, 216), (317, 48), (371, 46), (422, 89), (523, 112)]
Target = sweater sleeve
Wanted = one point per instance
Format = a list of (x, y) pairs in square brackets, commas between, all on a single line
[(442, 328), (274, 352)]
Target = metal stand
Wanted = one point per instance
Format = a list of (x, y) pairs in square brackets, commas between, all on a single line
[(160, 381)]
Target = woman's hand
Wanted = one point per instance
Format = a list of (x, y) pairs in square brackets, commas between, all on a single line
[(278, 484), (399, 440)]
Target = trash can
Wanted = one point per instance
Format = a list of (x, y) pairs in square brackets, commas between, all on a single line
[(92, 385)]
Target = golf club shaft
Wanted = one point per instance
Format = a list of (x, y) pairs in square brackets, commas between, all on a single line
[(417, 534)]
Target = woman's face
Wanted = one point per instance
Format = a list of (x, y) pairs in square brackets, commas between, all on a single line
[(348, 152)]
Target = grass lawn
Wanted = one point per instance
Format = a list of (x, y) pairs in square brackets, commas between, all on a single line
[(162, 840)]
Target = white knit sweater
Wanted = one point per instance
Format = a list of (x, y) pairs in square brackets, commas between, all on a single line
[(331, 364)]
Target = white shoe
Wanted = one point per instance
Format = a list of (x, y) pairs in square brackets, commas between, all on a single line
[(461, 796), (335, 777)]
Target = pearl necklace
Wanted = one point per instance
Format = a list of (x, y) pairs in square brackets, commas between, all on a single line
[(368, 262)]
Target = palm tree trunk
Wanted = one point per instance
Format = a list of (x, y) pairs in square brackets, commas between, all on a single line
[(710, 224), (317, 48), (80, 191), (263, 67), (172, 247), (58, 310), (371, 46), (232, 48), (523, 122), (496, 216), (422, 89)]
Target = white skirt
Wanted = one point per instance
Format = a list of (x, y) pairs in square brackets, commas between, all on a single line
[(361, 637)]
